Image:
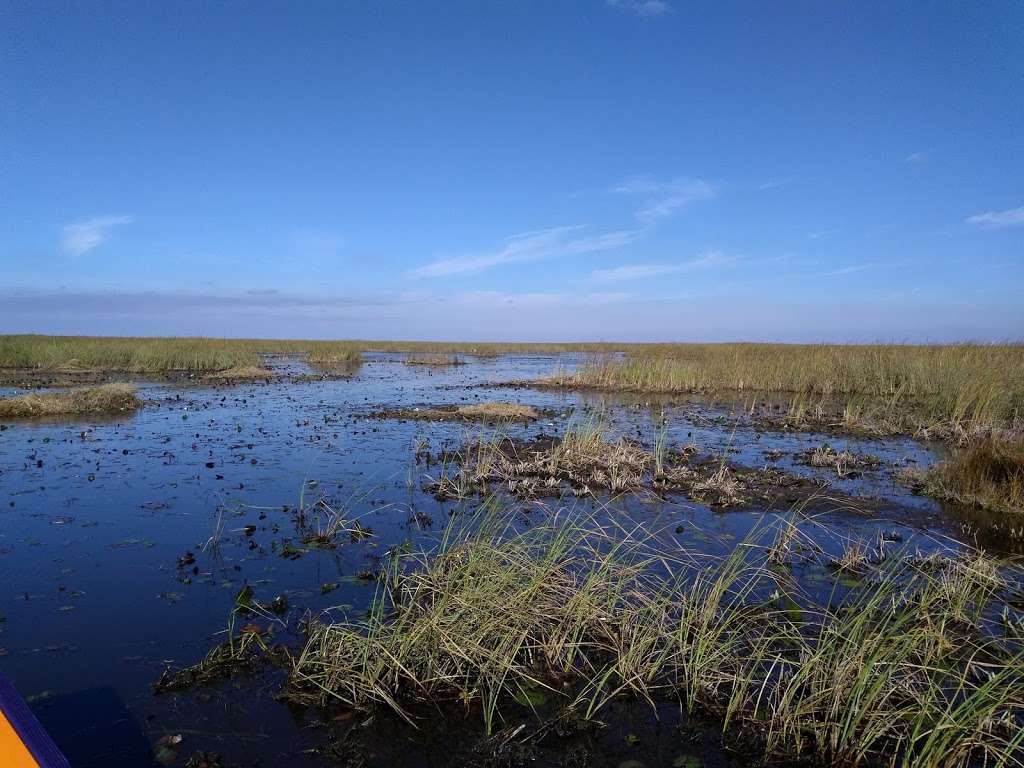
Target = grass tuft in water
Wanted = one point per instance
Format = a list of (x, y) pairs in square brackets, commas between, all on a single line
[(988, 473), (105, 399), (433, 359), (903, 670)]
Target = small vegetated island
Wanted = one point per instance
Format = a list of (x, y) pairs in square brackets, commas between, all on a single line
[(653, 554)]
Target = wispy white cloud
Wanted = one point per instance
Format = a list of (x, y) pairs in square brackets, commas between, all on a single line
[(847, 270), (641, 271), (916, 158), (646, 8), (662, 199), (1011, 218), (529, 246), (82, 236)]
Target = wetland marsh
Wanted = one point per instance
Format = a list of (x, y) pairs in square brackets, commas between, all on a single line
[(335, 557)]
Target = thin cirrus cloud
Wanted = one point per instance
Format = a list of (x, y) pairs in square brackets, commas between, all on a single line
[(528, 246), (642, 271), (849, 270), (82, 236), (663, 199), (646, 8), (1014, 217)]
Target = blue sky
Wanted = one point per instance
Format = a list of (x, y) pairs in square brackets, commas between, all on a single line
[(627, 170)]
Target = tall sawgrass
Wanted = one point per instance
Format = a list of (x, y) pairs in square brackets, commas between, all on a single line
[(902, 671), (988, 473), (969, 385), (156, 355)]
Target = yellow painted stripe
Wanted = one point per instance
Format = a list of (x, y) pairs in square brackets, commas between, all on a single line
[(13, 753)]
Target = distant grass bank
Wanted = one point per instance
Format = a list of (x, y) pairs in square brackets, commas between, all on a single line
[(109, 398), (941, 390), (73, 354), (151, 355), (896, 387)]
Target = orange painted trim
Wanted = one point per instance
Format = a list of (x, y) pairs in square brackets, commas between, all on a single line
[(13, 752)]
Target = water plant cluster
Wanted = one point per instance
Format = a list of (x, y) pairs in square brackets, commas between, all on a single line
[(918, 663)]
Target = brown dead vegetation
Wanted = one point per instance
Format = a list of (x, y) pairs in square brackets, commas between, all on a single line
[(240, 373), (584, 461), (988, 473), (489, 411), (107, 398)]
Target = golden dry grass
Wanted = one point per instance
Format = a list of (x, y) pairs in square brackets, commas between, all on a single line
[(108, 398), (988, 473), (499, 410), (901, 387), (240, 373)]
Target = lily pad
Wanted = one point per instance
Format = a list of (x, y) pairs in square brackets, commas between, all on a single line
[(531, 697)]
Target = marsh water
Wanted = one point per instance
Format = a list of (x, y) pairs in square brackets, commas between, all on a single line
[(124, 542)]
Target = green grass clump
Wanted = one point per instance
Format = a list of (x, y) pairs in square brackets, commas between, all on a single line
[(988, 473), (330, 353), (900, 672), (108, 398), (432, 359), (903, 387)]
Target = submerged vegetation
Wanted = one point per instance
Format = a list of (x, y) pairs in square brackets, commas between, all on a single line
[(892, 388), (914, 665), (105, 399), (988, 473)]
